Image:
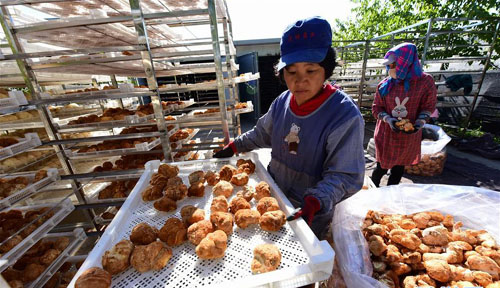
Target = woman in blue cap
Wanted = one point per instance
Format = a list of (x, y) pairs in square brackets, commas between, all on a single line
[(315, 131), (408, 93)]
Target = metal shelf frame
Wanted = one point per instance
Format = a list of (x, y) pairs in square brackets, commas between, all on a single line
[(33, 86), (155, 62), (140, 21)]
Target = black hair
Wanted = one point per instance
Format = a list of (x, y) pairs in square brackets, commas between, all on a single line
[(328, 64)]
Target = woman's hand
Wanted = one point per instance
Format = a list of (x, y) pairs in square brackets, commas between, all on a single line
[(392, 123), (419, 124), (310, 208), (227, 151)]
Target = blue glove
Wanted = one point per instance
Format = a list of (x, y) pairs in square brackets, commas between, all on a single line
[(419, 124), (392, 123)]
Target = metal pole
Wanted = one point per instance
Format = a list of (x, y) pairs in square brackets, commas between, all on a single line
[(178, 94), (232, 93), (218, 69), (147, 62), (363, 73), (426, 45), (33, 86), (115, 84), (448, 41), (342, 69), (490, 52)]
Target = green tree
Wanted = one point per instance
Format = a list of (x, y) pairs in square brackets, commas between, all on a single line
[(377, 17)]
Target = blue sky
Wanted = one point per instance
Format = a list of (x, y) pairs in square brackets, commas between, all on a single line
[(259, 19)]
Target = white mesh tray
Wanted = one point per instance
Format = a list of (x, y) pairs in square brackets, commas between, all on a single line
[(60, 212), (214, 114), (145, 146), (32, 188), (110, 92), (185, 104), (246, 77), (304, 258), (75, 238), (208, 85), (115, 7), (190, 153), (185, 157), (92, 192), (185, 140), (87, 165), (131, 119), (29, 141), (16, 99), (22, 124), (67, 113)]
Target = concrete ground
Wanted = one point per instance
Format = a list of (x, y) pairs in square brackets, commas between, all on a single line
[(460, 168)]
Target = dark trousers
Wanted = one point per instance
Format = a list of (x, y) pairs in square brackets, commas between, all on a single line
[(395, 177)]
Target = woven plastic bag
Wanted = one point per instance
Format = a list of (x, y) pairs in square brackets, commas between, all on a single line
[(433, 155), (477, 208)]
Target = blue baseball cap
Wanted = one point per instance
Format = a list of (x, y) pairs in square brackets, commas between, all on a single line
[(306, 40)]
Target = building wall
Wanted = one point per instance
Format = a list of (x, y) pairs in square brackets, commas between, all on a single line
[(264, 50), (268, 51)]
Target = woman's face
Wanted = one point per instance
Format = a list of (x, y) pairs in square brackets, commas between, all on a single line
[(305, 80), (392, 70)]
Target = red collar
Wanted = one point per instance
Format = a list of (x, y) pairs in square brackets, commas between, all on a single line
[(312, 104)]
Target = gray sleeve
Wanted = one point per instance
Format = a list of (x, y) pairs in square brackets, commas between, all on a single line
[(259, 136), (344, 167)]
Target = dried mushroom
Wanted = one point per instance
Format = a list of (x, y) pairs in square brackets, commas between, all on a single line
[(429, 249)]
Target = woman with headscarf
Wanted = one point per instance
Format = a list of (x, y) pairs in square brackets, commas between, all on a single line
[(408, 93)]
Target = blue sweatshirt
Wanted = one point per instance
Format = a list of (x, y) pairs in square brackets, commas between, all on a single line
[(320, 154)]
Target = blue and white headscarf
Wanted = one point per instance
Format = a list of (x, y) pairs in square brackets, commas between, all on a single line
[(407, 67)]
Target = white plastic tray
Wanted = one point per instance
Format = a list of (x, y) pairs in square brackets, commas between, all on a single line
[(76, 237), (209, 85), (190, 153), (131, 119), (92, 192), (34, 122), (145, 146), (170, 108), (67, 113), (185, 140), (60, 212), (188, 87), (246, 77), (52, 176), (87, 165), (305, 259), (29, 141), (185, 104), (238, 111), (101, 92), (16, 99)]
